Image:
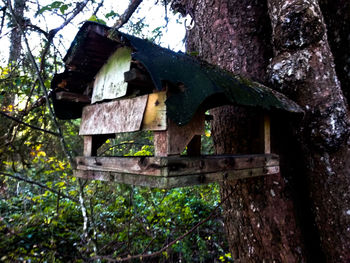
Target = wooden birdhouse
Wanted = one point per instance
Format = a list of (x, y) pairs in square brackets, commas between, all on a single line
[(127, 84)]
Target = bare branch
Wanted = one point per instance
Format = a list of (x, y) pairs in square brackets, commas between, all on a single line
[(40, 185), (143, 256), (124, 18), (53, 32), (79, 8), (43, 87), (98, 8), (28, 125)]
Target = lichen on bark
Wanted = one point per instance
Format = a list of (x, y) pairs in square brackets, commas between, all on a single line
[(306, 73)]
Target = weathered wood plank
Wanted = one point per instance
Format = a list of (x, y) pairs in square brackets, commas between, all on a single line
[(74, 97), (154, 118), (267, 138), (87, 146), (174, 140), (130, 165), (109, 81), (172, 182), (176, 165), (180, 136), (113, 117), (93, 142), (160, 141)]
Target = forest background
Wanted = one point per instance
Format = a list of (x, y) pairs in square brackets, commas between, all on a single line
[(300, 48), (46, 214)]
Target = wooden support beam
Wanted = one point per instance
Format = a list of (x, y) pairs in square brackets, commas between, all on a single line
[(155, 118), (267, 134), (93, 142), (74, 97), (174, 140), (88, 146), (176, 171)]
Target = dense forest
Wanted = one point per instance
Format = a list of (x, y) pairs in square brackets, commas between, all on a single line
[(297, 47), (46, 214)]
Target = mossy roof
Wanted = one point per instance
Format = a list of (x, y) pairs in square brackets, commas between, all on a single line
[(202, 82)]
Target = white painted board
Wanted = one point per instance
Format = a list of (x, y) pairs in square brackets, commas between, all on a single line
[(109, 81)]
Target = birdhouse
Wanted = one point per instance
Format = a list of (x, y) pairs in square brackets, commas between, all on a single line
[(126, 84)]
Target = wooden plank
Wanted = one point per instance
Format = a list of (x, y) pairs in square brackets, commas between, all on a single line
[(135, 76), (174, 140), (172, 182), (209, 164), (113, 117), (160, 141), (180, 136), (267, 138), (154, 118), (87, 146), (109, 81), (74, 97), (176, 165), (130, 165)]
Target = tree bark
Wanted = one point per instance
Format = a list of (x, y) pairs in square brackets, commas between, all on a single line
[(260, 217), (303, 68), (337, 17), (16, 37)]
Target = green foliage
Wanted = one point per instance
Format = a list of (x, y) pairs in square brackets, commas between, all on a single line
[(95, 19), (56, 5), (40, 216)]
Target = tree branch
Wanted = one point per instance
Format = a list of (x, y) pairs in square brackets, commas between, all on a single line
[(42, 85), (40, 185), (124, 18), (109, 259), (28, 125)]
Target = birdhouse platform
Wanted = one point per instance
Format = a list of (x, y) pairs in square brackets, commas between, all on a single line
[(126, 84), (176, 171)]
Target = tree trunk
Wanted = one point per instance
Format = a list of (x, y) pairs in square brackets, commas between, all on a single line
[(16, 37), (303, 68), (302, 214), (259, 217), (337, 17)]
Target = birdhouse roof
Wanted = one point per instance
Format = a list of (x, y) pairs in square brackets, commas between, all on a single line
[(204, 85)]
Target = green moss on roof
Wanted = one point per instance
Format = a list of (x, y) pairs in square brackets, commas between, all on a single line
[(201, 80)]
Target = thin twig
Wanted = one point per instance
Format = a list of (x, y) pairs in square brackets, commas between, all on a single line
[(40, 185), (172, 242), (52, 33), (98, 8), (28, 125), (42, 85)]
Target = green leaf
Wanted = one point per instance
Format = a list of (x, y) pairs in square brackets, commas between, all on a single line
[(53, 5), (63, 8)]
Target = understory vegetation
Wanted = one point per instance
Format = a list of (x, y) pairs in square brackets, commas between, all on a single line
[(47, 214)]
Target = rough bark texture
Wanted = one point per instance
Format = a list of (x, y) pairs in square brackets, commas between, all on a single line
[(303, 68), (16, 38), (259, 218), (337, 17)]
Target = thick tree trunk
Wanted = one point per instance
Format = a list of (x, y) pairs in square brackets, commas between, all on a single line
[(305, 214), (303, 68), (259, 217)]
